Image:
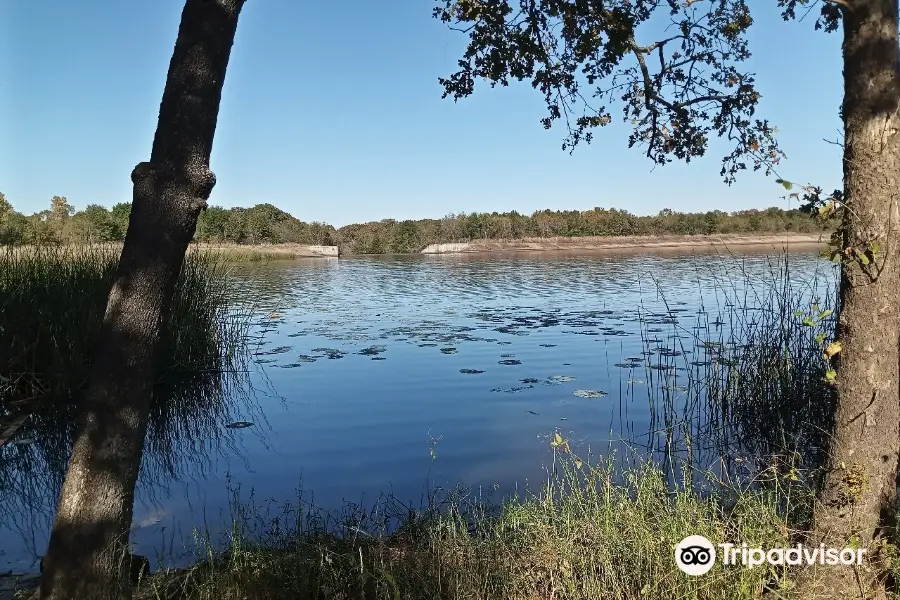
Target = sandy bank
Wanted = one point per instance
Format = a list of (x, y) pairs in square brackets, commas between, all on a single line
[(778, 242)]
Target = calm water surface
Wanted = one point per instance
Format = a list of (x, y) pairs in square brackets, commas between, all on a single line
[(396, 374)]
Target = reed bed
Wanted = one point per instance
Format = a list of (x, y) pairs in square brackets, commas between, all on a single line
[(52, 301), (592, 533)]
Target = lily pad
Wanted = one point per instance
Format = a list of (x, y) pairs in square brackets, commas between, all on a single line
[(239, 425), (668, 352), (278, 350), (561, 378), (589, 393), (509, 361), (471, 371), (331, 353), (547, 345), (513, 390), (448, 351), (530, 380), (372, 350)]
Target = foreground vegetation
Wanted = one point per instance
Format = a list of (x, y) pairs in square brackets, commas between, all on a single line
[(266, 224), (592, 533), (53, 300)]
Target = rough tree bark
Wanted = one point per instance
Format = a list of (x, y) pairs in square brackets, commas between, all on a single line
[(88, 552), (861, 482)]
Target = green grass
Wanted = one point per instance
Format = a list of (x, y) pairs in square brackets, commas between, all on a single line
[(744, 382), (52, 301), (594, 532), (240, 254)]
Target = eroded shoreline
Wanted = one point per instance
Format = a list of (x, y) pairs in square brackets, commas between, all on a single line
[(628, 244)]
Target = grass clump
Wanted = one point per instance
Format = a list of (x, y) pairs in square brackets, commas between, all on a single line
[(593, 532), (241, 254), (52, 302)]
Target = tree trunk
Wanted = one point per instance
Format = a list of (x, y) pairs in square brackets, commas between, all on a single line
[(88, 556), (860, 485)]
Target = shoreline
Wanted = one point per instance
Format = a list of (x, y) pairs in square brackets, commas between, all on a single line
[(593, 244), (588, 244), (630, 243)]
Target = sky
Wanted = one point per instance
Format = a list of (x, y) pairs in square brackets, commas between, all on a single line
[(332, 111)]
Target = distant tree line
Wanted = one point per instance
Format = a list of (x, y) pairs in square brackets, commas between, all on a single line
[(267, 224)]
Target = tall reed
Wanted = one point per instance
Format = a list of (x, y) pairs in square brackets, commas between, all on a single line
[(52, 301)]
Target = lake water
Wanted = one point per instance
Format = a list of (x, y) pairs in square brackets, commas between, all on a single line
[(401, 374)]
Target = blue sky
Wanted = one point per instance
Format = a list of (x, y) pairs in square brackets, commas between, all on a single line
[(332, 111)]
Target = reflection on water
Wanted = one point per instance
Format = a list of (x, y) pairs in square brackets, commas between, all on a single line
[(396, 374)]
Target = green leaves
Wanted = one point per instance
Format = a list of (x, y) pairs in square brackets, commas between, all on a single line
[(813, 319), (785, 184), (826, 209), (676, 92)]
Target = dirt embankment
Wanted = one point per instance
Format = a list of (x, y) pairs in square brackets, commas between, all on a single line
[(775, 241)]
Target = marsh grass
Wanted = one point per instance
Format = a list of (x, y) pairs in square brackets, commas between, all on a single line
[(238, 253), (52, 301), (229, 253), (593, 532), (742, 381)]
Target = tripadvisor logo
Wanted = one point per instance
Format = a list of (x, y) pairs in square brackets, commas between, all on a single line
[(696, 555)]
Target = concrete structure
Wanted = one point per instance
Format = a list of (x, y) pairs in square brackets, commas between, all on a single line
[(446, 248), (322, 250)]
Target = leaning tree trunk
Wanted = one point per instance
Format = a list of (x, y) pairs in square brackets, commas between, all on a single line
[(861, 483), (88, 553)]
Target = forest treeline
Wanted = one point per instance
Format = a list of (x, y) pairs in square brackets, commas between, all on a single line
[(267, 224)]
